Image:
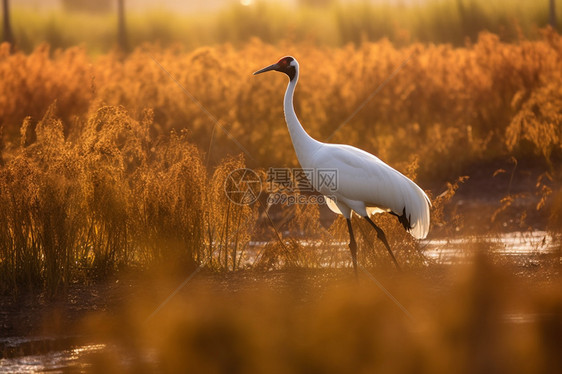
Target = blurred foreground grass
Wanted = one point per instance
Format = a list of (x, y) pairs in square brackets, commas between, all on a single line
[(475, 318), (327, 23)]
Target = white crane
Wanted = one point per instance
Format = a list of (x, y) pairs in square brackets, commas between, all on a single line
[(365, 184)]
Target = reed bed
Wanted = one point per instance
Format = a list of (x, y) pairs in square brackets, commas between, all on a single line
[(106, 164)]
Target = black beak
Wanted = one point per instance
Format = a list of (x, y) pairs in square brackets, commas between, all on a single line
[(269, 68)]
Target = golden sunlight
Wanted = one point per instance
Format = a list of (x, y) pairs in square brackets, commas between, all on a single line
[(155, 217)]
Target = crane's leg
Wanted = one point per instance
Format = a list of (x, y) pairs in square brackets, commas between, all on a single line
[(382, 238), (352, 245)]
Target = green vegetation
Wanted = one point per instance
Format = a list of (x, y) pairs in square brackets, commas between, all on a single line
[(334, 24)]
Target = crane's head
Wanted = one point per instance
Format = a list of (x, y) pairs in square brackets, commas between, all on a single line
[(287, 65)]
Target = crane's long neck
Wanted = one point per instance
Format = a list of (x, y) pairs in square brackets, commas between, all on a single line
[(304, 144)]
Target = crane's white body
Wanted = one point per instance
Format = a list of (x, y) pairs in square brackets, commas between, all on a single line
[(365, 184)]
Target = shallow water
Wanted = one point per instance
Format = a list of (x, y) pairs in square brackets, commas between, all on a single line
[(43, 354), (526, 245)]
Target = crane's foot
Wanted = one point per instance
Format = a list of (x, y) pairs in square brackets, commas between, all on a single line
[(382, 237)]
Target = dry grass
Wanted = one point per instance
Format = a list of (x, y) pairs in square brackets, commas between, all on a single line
[(491, 98), (99, 172), (113, 197)]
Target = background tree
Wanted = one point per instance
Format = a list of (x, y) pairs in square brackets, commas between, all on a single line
[(7, 35), (552, 19), (121, 28)]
